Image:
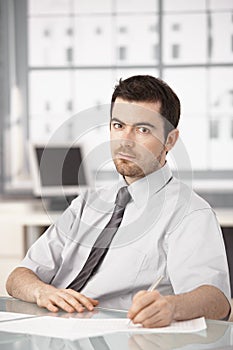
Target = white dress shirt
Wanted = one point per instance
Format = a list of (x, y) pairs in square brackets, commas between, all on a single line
[(166, 230)]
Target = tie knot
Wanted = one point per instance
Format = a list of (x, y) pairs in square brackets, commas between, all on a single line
[(123, 197)]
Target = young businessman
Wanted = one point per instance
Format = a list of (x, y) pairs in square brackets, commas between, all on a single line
[(166, 229)]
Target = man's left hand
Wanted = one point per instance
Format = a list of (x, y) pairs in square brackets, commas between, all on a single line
[(151, 309)]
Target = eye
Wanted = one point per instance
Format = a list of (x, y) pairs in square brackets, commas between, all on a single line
[(143, 130), (117, 125)]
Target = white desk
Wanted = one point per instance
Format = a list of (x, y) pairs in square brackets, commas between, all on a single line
[(218, 335)]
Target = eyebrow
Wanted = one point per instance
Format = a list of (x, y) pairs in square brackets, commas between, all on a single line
[(136, 124)]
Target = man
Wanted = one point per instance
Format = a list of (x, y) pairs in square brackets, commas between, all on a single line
[(165, 229)]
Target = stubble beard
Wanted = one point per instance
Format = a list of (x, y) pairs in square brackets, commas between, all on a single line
[(131, 169), (128, 168), (143, 165)]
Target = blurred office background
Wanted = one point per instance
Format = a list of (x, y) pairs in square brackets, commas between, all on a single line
[(60, 57)]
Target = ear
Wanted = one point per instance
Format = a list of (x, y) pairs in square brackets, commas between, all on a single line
[(172, 137)]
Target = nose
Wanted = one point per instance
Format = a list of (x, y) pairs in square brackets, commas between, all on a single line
[(127, 137)]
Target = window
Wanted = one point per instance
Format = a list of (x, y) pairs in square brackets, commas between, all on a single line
[(122, 53), (155, 52), (123, 30), (78, 49), (176, 27), (175, 51), (214, 129)]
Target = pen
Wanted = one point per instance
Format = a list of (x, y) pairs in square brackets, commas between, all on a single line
[(151, 288), (155, 284)]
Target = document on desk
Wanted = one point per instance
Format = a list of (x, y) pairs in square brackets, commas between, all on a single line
[(73, 328)]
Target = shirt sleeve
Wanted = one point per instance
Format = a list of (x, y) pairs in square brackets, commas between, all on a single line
[(196, 254), (44, 257)]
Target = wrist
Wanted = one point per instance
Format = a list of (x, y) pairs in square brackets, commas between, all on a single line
[(40, 289), (172, 306)]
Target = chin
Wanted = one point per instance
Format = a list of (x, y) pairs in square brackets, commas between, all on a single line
[(129, 169)]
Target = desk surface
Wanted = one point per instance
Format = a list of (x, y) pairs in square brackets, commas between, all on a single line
[(219, 335)]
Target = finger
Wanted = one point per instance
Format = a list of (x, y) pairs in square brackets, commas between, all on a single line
[(93, 301), (54, 304), (141, 302), (146, 313), (135, 298), (72, 301), (64, 302), (79, 299), (139, 294), (59, 299), (156, 314), (164, 315), (49, 306), (155, 321), (148, 321), (158, 320), (77, 294), (88, 303), (161, 316)]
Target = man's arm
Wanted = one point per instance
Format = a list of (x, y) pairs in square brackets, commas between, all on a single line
[(25, 285), (151, 309)]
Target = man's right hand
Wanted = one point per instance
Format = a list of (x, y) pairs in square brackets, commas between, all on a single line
[(66, 299), (24, 284)]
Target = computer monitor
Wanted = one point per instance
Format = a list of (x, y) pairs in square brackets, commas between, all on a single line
[(57, 169)]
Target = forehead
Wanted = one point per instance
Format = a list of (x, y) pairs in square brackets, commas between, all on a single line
[(131, 112)]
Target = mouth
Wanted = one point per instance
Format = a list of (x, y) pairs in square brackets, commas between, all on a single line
[(127, 156)]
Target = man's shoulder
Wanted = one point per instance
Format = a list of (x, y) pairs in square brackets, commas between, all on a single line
[(186, 196), (185, 204)]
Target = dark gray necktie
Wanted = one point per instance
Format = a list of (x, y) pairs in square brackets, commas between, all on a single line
[(103, 241)]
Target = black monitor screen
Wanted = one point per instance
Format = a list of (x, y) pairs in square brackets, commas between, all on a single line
[(60, 166)]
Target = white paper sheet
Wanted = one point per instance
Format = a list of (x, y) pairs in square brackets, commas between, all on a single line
[(72, 328), (8, 316)]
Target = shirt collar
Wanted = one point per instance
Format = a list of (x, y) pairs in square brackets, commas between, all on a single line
[(141, 190)]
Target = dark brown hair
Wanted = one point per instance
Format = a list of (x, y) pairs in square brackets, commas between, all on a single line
[(150, 89)]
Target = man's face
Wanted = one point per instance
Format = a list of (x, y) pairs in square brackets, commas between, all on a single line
[(137, 138)]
